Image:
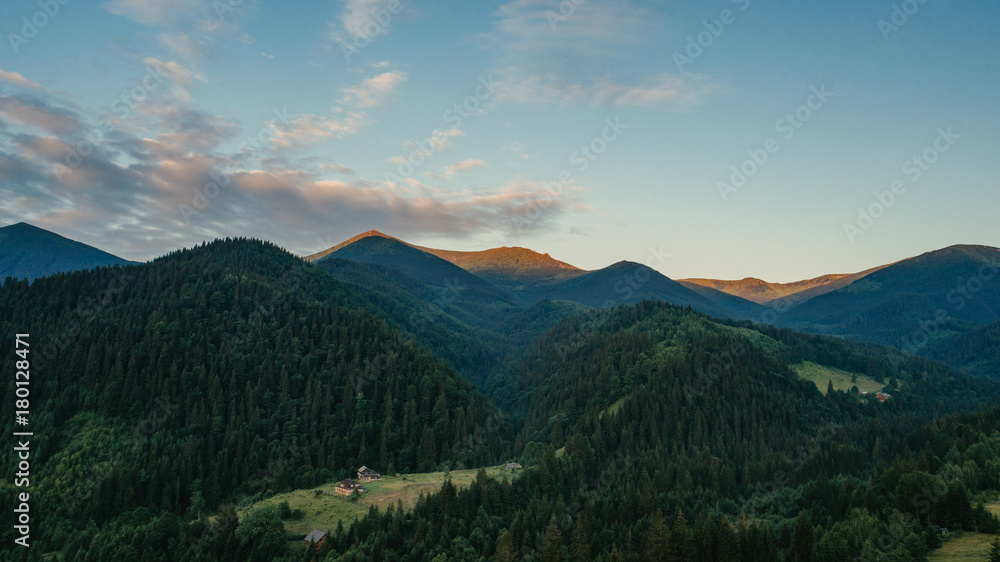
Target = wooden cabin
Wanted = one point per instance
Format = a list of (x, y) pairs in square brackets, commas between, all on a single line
[(316, 537), (366, 474), (348, 487)]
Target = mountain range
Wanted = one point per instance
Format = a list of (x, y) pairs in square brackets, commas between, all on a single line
[(458, 300)]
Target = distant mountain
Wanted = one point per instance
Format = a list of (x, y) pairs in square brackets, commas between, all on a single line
[(526, 277), (378, 249), (30, 252), (953, 289), (739, 307), (762, 292), (463, 319), (519, 271), (371, 233), (627, 283)]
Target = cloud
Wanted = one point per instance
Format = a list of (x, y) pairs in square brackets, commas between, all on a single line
[(36, 112), (128, 187), (180, 77), (357, 13), (518, 148), (311, 129), (338, 168), (344, 120), (448, 172), (373, 91), (16, 79), (527, 28), (660, 90), (183, 45), (549, 56), (153, 12), (191, 28), (438, 141)]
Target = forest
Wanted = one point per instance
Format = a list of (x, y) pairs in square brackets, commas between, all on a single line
[(172, 394)]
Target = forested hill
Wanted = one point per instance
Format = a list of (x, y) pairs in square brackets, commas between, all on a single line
[(210, 375), (655, 433)]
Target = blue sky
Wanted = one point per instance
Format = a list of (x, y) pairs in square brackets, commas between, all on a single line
[(593, 130)]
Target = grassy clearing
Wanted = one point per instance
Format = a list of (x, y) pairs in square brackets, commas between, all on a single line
[(966, 546), (821, 374), (614, 408), (325, 509)]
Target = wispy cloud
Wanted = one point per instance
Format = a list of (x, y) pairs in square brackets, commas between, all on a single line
[(16, 79), (36, 112), (191, 28), (660, 90), (373, 91), (448, 172), (548, 57), (311, 129), (180, 77), (357, 13), (338, 168), (153, 12)]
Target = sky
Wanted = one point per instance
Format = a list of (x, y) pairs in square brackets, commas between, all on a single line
[(721, 139)]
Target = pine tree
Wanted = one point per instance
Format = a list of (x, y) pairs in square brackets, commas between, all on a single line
[(995, 551), (802, 539), (681, 541), (505, 549), (657, 539), (553, 543), (581, 544)]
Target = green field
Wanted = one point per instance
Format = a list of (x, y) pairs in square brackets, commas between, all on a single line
[(820, 375), (966, 546), (323, 511)]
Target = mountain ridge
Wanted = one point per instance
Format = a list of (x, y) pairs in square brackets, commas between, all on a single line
[(762, 292), (30, 252)]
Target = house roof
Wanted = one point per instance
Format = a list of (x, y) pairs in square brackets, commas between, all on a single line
[(315, 536), (348, 483)]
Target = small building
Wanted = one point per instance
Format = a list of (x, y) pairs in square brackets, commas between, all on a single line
[(883, 396), (316, 537), (348, 487), (513, 466), (366, 474)]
